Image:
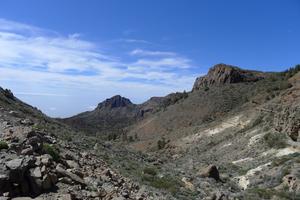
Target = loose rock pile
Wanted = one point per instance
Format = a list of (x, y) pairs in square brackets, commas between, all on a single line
[(38, 165)]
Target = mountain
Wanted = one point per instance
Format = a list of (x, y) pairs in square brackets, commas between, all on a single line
[(112, 117), (234, 136), (244, 123), (41, 158), (222, 74)]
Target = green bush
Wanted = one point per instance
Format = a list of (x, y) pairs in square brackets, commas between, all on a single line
[(275, 140), (292, 71), (168, 182), (150, 170), (52, 151), (3, 145), (161, 143), (266, 193)]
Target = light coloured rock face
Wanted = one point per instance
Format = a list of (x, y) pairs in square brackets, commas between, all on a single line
[(237, 122), (287, 151), (245, 180)]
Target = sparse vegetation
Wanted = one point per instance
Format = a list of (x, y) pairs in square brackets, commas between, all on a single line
[(150, 170), (161, 143), (266, 193), (292, 71), (52, 151), (275, 140), (281, 160), (112, 136), (3, 145), (168, 182)]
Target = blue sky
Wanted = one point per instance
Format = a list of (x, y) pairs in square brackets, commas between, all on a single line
[(64, 56)]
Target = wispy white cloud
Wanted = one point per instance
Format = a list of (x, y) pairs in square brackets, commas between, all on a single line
[(31, 55), (91, 107), (141, 52), (40, 94), (173, 62), (131, 40)]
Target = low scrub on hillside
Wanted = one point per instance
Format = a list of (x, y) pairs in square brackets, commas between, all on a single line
[(291, 71), (3, 145), (275, 140), (168, 182), (52, 151), (266, 193)]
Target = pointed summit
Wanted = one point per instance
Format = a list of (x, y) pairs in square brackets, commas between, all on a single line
[(115, 102)]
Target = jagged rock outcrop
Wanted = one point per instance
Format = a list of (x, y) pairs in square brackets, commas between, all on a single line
[(115, 102), (223, 74)]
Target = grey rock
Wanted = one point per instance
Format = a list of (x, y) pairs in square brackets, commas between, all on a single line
[(72, 164), (27, 151), (14, 164), (72, 176), (36, 172), (46, 159)]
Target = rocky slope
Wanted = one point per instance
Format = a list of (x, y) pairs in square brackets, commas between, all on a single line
[(38, 161), (234, 136), (246, 123), (112, 117)]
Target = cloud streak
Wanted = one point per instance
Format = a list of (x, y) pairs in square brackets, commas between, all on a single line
[(141, 52), (41, 94), (32, 56)]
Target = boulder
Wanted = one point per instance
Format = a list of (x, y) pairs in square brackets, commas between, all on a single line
[(211, 172), (46, 159), (27, 151), (36, 172), (17, 168), (60, 170), (72, 164), (14, 164)]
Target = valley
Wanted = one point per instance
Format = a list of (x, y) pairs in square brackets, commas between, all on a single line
[(235, 135)]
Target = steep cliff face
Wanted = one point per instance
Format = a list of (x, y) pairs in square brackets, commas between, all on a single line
[(224, 74)]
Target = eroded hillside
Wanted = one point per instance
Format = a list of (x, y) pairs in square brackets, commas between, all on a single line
[(41, 158), (246, 123)]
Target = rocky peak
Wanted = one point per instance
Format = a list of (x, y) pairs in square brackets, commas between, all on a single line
[(7, 93), (223, 74), (115, 102)]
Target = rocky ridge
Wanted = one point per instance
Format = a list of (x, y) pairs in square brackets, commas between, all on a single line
[(221, 74), (36, 164)]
